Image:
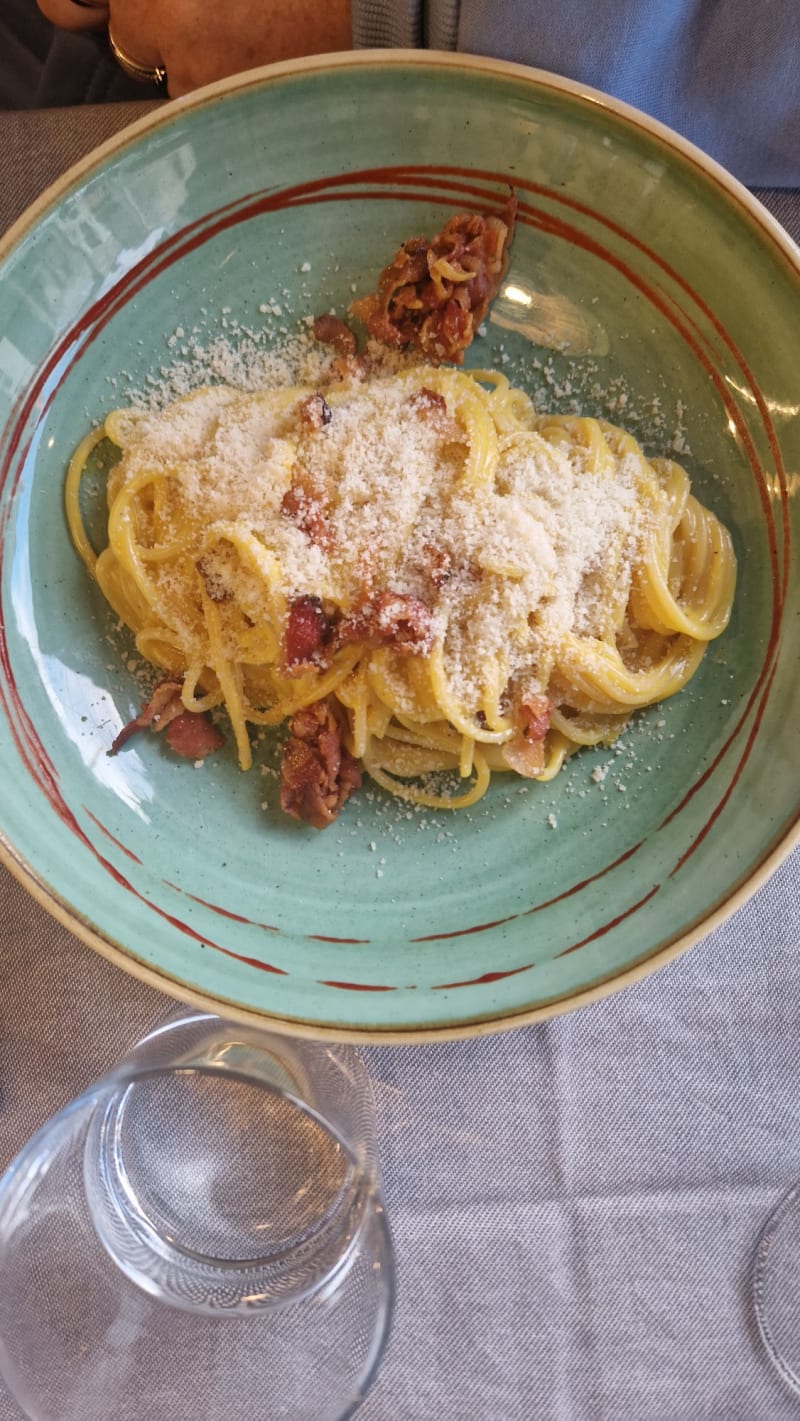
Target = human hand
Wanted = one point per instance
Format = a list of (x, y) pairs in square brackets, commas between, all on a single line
[(197, 43), (74, 15)]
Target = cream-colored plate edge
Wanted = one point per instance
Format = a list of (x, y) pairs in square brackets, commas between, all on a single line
[(414, 1036)]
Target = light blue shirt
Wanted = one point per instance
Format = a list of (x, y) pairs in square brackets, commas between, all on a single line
[(724, 73)]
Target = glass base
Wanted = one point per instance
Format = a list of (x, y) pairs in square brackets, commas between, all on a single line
[(195, 1239)]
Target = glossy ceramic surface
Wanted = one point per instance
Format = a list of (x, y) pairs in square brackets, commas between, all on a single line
[(646, 286)]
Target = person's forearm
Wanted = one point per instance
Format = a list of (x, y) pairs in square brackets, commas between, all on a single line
[(198, 43)]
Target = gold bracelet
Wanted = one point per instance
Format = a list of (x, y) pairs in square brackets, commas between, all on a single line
[(143, 73)]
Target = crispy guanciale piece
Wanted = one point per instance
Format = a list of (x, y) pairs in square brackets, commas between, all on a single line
[(535, 715), (318, 773), (431, 407), (392, 619), (433, 295), (438, 565), (525, 752), (312, 636), (192, 735), (306, 502), (331, 330), (307, 637), (314, 412), (188, 733), (213, 579)]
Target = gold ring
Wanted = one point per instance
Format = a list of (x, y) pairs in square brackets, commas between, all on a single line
[(143, 73)]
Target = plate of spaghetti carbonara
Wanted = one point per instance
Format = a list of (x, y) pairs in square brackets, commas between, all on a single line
[(398, 547), (416, 574)]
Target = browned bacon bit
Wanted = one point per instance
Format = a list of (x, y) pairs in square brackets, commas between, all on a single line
[(433, 295), (395, 618), (439, 565), (535, 715), (428, 402), (318, 773), (188, 732), (216, 588), (331, 330), (163, 706), (404, 621), (432, 407), (306, 503), (193, 736), (306, 637), (350, 367), (525, 753), (314, 412)]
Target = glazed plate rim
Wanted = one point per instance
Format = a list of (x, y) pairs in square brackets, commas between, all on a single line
[(504, 1018)]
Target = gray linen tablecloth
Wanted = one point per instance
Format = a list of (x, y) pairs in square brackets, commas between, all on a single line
[(575, 1205)]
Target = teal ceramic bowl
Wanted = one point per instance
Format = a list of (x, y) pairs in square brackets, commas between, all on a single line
[(646, 286)]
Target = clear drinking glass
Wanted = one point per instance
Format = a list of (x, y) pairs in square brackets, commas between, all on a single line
[(199, 1235)]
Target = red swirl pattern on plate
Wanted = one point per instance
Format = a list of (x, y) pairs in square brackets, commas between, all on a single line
[(450, 186)]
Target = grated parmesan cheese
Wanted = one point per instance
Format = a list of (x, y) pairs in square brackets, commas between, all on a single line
[(531, 554)]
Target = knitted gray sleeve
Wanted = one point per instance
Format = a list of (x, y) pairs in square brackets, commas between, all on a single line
[(405, 24)]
